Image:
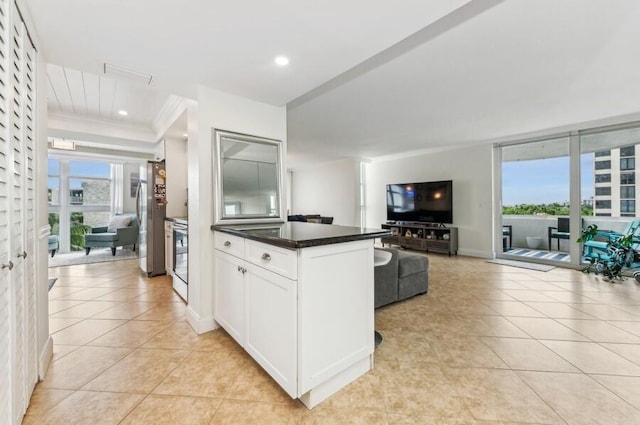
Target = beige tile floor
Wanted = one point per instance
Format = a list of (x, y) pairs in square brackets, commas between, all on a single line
[(489, 344)]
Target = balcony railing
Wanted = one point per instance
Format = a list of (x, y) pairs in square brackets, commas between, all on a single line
[(538, 226)]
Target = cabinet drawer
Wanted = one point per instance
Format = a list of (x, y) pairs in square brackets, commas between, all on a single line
[(278, 260), (228, 243)]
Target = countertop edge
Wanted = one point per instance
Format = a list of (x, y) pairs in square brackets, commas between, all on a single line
[(307, 243)]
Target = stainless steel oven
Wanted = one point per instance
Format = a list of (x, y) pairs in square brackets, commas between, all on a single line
[(181, 258)]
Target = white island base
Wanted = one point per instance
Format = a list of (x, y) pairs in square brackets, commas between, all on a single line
[(305, 315)]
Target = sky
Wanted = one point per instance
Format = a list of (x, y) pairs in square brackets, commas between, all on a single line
[(544, 181), (78, 168)]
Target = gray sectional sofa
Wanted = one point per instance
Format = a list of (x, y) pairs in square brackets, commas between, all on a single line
[(403, 277)]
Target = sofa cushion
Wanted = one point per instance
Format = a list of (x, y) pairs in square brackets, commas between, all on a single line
[(118, 221), (100, 237), (409, 264)]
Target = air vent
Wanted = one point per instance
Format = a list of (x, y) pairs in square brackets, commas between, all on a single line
[(120, 72)]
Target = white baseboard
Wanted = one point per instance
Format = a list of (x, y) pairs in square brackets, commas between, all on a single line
[(476, 253), (200, 325), (45, 358)]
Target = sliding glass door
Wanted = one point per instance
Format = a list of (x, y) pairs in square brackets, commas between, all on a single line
[(551, 189), (536, 200)]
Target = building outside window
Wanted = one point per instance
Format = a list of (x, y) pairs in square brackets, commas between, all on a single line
[(628, 206), (603, 204), (602, 153), (628, 163), (628, 151), (603, 191), (627, 178), (603, 165), (603, 178)]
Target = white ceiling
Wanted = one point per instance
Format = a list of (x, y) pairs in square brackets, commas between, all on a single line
[(367, 78)]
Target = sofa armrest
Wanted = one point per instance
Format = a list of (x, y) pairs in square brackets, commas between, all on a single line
[(102, 229), (127, 235)]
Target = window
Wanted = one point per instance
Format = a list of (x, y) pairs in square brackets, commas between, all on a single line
[(603, 204), (627, 192), (80, 194), (603, 191), (628, 206), (603, 178), (627, 178), (602, 153), (628, 151), (627, 163), (603, 165), (603, 214)]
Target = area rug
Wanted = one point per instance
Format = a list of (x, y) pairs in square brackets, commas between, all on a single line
[(523, 265), (544, 255), (97, 255), (51, 282)]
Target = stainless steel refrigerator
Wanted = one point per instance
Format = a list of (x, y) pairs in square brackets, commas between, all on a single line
[(151, 209)]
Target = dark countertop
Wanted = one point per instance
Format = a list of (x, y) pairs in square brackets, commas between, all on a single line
[(180, 220), (295, 234)]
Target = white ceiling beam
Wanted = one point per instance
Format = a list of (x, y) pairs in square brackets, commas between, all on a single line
[(61, 125)]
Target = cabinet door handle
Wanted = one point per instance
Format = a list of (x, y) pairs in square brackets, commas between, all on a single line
[(239, 268), (244, 270), (227, 243), (7, 266), (266, 257), (23, 255)]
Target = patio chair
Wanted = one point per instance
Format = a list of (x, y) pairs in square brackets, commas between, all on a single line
[(598, 246), (560, 231)]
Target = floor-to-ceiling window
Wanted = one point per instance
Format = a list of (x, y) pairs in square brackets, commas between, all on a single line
[(80, 194), (553, 188), (535, 199), (608, 175)]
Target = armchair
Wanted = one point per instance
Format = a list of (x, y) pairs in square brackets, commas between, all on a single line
[(122, 231)]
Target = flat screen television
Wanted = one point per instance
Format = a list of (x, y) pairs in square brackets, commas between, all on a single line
[(430, 202)]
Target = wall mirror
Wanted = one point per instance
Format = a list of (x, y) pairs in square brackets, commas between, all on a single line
[(249, 178)]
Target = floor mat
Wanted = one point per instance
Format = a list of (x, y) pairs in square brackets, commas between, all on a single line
[(523, 265)]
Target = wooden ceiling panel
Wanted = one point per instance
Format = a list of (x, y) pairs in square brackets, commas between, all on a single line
[(75, 83)]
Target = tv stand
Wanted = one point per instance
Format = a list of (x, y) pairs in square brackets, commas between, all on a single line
[(423, 237)]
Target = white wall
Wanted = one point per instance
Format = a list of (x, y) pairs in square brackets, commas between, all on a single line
[(176, 166), (330, 190), (470, 168), (215, 109)]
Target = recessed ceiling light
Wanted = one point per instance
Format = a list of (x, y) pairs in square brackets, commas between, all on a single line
[(282, 60), (123, 112)]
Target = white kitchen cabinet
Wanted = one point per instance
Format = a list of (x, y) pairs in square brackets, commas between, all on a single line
[(228, 292), (168, 247), (312, 333), (257, 307), (271, 325)]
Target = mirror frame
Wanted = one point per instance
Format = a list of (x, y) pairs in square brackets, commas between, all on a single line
[(218, 181)]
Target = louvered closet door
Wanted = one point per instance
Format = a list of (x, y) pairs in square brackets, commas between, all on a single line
[(18, 338), (6, 319), (16, 214), (28, 255)]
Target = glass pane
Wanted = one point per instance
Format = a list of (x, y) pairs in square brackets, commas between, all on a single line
[(54, 223), (535, 199), (89, 192), (612, 192), (77, 229), (90, 169), (53, 190), (53, 166)]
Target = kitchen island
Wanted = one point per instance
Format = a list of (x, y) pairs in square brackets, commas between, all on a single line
[(298, 297)]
